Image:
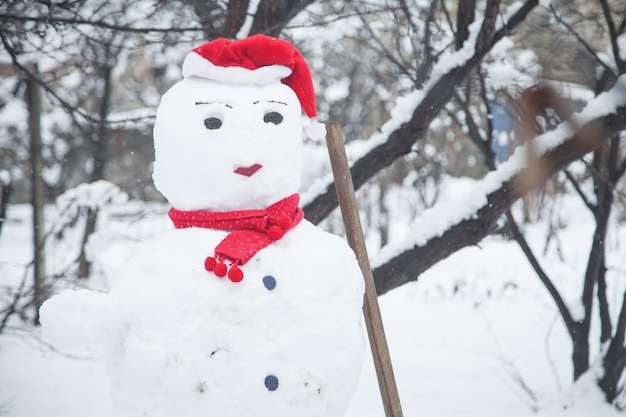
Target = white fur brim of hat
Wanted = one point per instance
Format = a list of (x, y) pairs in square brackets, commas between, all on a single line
[(196, 65)]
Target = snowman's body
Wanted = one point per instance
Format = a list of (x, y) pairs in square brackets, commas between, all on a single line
[(287, 340), (209, 347)]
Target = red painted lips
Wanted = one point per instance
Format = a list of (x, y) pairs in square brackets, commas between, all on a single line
[(248, 171)]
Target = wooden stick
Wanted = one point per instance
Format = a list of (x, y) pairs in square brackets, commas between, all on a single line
[(354, 234)]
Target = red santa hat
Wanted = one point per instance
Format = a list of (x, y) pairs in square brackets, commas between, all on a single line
[(259, 59)]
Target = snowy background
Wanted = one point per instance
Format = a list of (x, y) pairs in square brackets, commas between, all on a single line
[(477, 335)]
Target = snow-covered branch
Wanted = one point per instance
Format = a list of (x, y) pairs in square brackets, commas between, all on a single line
[(450, 226)]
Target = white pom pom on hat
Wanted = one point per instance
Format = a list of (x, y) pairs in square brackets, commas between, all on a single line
[(259, 59)]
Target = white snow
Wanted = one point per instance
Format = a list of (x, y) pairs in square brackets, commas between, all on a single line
[(573, 92), (5, 177), (460, 337), (545, 3), (80, 329), (338, 90), (133, 118), (93, 195), (621, 42), (245, 28)]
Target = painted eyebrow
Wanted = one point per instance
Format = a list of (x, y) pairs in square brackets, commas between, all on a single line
[(213, 102), (270, 101)]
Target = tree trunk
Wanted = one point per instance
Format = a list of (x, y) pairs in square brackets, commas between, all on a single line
[(236, 11), (464, 18), (84, 265), (580, 348), (272, 15), (99, 151), (33, 100), (5, 192), (615, 359), (99, 139)]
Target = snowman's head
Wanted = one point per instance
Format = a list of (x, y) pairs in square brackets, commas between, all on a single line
[(229, 135), (223, 147)]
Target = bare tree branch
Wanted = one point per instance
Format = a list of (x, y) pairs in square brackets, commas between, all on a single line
[(582, 41), (464, 18), (474, 133), (9, 310), (273, 15), (486, 30), (606, 10), (73, 111), (403, 66), (578, 190), (621, 170), (543, 277), (489, 117), (76, 20), (604, 308), (428, 58)]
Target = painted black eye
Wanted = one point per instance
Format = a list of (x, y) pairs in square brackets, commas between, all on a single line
[(273, 117), (212, 123)]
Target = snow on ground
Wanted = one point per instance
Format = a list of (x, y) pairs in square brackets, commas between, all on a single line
[(477, 335)]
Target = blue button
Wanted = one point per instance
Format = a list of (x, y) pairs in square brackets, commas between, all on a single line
[(269, 282), (271, 382)]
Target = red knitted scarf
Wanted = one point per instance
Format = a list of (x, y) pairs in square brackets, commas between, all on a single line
[(251, 231)]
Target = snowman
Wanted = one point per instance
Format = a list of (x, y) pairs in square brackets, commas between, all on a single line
[(244, 308)]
